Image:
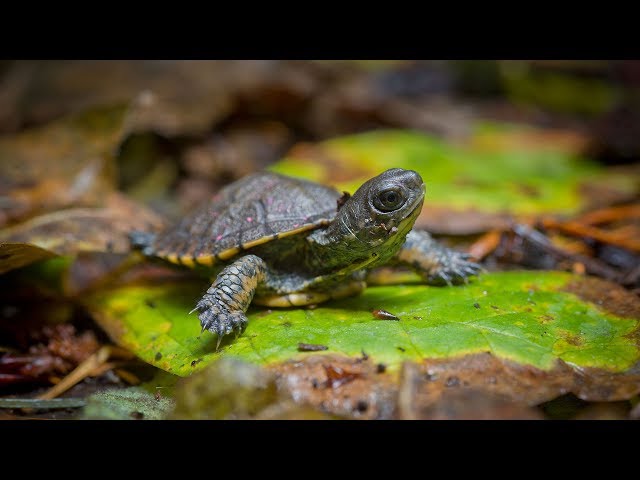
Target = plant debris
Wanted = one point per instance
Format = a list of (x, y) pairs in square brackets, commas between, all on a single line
[(383, 315), (308, 347), (54, 351)]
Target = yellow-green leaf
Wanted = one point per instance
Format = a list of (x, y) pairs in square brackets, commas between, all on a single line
[(490, 174), (531, 318)]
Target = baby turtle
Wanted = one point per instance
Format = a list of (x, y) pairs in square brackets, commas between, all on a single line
[(290, 242)]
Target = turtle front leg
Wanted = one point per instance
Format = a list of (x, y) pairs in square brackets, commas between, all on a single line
[(222, 309), (435, 263)]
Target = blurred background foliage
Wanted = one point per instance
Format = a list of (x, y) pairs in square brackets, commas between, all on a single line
[(193, 126)]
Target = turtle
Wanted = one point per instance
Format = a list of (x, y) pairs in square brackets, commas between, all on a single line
[(280, 241)]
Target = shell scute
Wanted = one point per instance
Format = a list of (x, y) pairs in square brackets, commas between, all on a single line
[(252, 211)]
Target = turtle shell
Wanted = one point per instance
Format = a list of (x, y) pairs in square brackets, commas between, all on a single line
[(252, 211)]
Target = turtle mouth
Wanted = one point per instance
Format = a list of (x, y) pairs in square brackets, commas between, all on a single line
[(407, 222), (417, 207)]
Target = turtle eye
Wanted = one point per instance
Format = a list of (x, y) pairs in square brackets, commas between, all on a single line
[(389, 200)]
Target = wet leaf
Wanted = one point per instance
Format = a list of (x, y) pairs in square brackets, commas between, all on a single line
[(530, 318), (356, 388), (471, 187), (444, 388), (523, 384), (68, 162), (68, 232)]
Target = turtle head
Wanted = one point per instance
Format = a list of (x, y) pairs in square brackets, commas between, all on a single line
[(377, 218)]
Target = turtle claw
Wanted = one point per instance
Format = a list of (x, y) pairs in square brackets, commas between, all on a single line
[(220, 320), (455, 269), (445, 276)]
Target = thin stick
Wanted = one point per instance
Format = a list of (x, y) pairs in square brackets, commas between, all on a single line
[(592, 265), (485, 245), (81, 372), (42, 404), (610, 214), (580, 230), (127, 376)]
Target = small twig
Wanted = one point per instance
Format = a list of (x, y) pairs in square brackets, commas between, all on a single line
[(485, 245), (579, 230), (120, 353), (592, 265), (609, 214), (35, 403), (103, 368), (627, 231), (572, 245), (127, 376), (81, 372)]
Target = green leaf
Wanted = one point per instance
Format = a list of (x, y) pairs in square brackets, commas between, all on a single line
[(488, 174), (527, 317), (558, 91)]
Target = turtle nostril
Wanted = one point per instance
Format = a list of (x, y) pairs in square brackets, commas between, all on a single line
[(414, 179)]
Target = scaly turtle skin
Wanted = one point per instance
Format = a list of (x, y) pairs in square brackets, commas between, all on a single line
[(291, 242)]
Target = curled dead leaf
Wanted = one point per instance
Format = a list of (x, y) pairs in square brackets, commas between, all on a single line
[(68, 232)]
